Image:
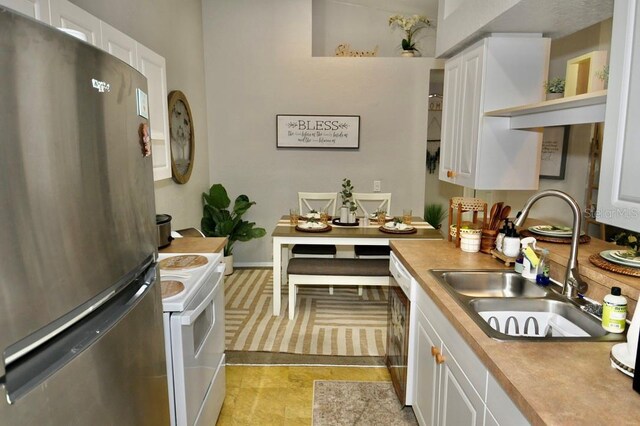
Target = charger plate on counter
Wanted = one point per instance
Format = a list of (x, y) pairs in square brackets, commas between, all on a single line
[(584, 239), (602, 263)]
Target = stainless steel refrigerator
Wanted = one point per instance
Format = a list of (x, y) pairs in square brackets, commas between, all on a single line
[(81, 337)]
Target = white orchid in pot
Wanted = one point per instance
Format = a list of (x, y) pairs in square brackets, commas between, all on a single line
[(411, 25)]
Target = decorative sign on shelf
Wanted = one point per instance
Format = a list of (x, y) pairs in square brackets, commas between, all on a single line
[(345, 50), (555, 143), (318, 131)]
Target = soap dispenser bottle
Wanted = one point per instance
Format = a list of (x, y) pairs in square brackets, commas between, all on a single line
[(614, 311), (501, 235), (511, 242)]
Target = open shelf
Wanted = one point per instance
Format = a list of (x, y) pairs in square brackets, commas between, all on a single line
[(579, 109)]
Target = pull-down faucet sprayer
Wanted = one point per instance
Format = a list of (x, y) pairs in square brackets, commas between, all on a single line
[(573, 284)]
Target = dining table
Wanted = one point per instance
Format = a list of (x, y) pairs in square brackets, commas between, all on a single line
[(365, 232)]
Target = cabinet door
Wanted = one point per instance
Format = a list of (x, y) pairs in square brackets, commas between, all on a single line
[(65, 14), (153, 66), (619, 192), (461, 117), (469, 119), (119, 44), (37, 9), (425, 401), (450, 111), (460, 404)]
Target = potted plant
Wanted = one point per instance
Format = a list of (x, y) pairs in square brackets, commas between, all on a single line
[(411, 25), (554, 88), (349, 207), (434, 214), (218, 221)]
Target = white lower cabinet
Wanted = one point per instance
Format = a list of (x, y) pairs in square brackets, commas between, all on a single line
[(451, 385)]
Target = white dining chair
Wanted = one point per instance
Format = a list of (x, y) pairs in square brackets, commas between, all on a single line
[(369, 203), (317, 201)]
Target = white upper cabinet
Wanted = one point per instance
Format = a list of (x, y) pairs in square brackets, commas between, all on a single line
[(37, 9), (153, 66), (119, 44), (67, 15), (619, 192), (483, 152)]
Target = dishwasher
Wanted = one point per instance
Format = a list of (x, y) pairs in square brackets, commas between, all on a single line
[(398, 316)]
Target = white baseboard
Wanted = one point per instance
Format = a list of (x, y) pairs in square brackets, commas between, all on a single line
[(253, 264)]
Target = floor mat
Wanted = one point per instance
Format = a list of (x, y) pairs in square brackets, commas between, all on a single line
[(342, 324)]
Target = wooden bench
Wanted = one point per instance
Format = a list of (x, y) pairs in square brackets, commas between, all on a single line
[(335, 272)]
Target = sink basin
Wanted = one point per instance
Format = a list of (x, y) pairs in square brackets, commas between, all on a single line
[(497, 284), (536, 318), (508, 307)]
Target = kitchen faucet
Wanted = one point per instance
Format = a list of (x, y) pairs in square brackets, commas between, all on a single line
[(573, 284)]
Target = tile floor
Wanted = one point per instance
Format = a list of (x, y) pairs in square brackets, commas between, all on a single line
[(281, 395)]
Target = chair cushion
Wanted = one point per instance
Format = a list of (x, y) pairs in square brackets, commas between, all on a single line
[(339, 266), (317, 249), (372, 250)]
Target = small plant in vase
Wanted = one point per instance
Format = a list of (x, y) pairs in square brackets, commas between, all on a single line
[(349, 207), (411, 25), (554, 88)]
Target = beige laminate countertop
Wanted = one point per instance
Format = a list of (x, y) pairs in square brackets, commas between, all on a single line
[(555, 383), (195, 245)]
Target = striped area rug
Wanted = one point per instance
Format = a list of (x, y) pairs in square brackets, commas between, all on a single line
[(340, 324)]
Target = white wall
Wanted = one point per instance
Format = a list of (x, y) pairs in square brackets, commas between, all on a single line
[(365, 24), (174, 30), (259, 64)]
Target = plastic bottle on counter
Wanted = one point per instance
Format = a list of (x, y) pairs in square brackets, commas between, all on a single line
[(500, 237), (542, 277), (614, 311), (530, 259)]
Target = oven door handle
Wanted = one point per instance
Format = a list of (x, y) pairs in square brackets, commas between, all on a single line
[(188, 317)]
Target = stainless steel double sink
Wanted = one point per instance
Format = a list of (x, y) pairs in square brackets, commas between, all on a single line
[(507, 306)]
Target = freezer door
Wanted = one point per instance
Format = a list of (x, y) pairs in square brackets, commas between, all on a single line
[(113, 372), (76, 191)]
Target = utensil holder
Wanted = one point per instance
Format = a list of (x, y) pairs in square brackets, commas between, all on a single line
[(488, 240)]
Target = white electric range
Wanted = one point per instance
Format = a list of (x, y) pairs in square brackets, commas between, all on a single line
[(193, 305)]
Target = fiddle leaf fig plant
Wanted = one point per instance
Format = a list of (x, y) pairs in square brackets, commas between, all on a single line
[(219, 221)]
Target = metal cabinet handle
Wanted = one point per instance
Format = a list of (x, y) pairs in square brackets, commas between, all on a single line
[(440, 358), (434, 351), (451, 174)]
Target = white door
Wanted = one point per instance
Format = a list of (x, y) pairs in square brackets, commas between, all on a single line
[(37, 9), (425, 401), (460, 405), (469, 118), (153, 66), (119, 44), (619, 192), (65, 14), (450, 110)]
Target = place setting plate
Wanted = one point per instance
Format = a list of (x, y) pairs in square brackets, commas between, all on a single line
[(551, 230), (313, 227), (397, 228), (337, 222), (613, 256)]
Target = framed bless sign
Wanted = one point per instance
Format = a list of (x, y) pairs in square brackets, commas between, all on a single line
[(318, 131)]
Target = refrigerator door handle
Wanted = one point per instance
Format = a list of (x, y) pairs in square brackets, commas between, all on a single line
[(29, 371)]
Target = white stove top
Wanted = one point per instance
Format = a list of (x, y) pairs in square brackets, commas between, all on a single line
[(191, 277)]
